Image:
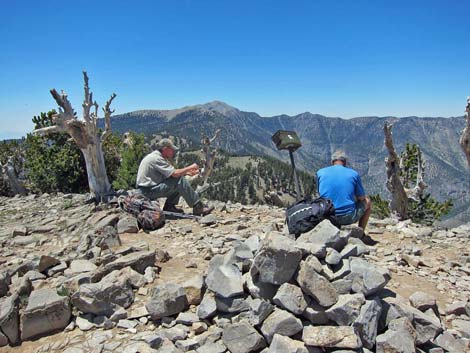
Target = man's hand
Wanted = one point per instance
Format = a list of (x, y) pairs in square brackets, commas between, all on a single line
[(192, 170)]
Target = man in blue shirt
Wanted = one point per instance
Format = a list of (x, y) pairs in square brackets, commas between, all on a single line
[(344, 187)]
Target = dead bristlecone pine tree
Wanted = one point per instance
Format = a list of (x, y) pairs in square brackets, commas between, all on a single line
[(465, 138), (399, 202), (86, 135)]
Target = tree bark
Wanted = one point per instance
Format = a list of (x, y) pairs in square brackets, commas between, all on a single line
[(85, 134), (399, 202), (14, 184), (465, 138)]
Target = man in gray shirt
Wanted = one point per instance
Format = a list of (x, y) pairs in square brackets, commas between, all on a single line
[(157, 177)]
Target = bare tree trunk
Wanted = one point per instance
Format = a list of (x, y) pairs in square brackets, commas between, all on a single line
[(85, 134), (210, 155), (14, 184), (399, 202), (465, 138)]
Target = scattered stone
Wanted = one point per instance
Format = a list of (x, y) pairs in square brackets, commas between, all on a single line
[(84, 323), (9, 321), (400, 337), (347, 309), (231, 305), (5, 281), (422, 301), (208, 220), (79, 266), (324, 234), (208, 307), (291, 298), (46, 312), (224, 278), (315, 284), (331, 336), (242, 338), (194, 288), (458, 308), (367, 278), (332, 257), (366, 324), (281, 322), (46, 262), (103, 298), (450, 343), (138, 261), (259, 289), (277, 259), (20, 231), (127, 224), (166, 300)]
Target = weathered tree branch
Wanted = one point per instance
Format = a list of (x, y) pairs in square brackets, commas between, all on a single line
[(465, 138), (8, 170), (85, 135), (399, 202), (107, 115)]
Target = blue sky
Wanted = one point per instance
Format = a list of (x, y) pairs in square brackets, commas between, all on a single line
[(337, 58)]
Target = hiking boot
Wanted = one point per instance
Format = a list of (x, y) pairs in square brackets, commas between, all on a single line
[(172, 208), (200, 209)]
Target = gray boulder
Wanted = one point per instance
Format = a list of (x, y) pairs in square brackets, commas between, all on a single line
[(427, 327), (347, 309), (277, 260), (194, 288), (9, 319), (315, 284), (104, 297), (166, 300), (3, 340), (224, 277), (281, 322), (458, 308), (366, 324), (422, 301), (325, 234), (283, 344), (4, 283), (127, 224), (259, 289), (138, 261), (400, 337), (291, 298), (316, 314), (208, 307), (215, 347), (231, 305), (242, 338), (332, 257), (331, 336), (46, 312), (367, 278), (463, 326), (450, 343)]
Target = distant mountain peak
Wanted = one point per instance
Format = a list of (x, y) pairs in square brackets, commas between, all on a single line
[(218, 106)]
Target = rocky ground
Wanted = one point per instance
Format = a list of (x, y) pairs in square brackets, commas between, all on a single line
[(78, 278)]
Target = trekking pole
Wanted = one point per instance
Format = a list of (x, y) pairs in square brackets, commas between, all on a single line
[(296, 177)]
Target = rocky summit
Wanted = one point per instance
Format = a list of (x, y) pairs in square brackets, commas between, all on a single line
[(78, 278)]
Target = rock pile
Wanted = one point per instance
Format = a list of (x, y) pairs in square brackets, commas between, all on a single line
[(262, 291)]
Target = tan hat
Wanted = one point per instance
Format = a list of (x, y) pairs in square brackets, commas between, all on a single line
[(165, 143), (339, 155)]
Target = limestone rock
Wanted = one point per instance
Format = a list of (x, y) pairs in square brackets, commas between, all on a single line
[(422, 301), (9, 320), (291, 298), (127, 224), (104, 297), (283, 344), (281, 322), (347, 309), (242, 338), (166, 300), (366, 324), (194, 288), (277, 259), (46, 312), (367, 278), (331, 336), (400, 337), (208, 307), (224, 278), (315, 284), (324, 234)]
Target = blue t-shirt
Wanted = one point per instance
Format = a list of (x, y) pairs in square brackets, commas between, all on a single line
[(342, 185)]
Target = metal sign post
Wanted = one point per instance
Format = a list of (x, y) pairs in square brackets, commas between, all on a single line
[(288, 140)]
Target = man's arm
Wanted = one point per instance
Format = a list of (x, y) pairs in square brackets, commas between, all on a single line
[(190, 170)]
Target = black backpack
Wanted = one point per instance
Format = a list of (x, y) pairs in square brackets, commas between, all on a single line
[(307, 213)]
